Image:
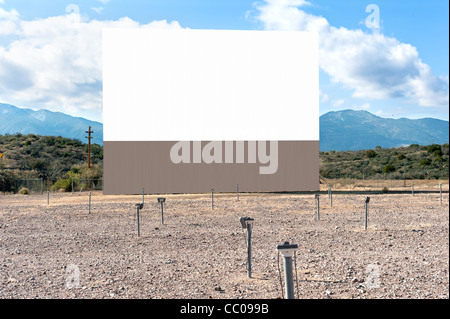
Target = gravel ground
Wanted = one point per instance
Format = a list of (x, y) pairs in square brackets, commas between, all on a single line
[(62, 251)]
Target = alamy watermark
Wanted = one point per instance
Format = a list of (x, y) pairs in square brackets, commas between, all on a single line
[(73, 9), (73, 276), (373, 20), (373, 276), (212, 152)]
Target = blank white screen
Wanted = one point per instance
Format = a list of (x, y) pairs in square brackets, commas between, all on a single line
[(173, 85)]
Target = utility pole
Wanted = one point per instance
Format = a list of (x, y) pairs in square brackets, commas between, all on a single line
[(89, 137)]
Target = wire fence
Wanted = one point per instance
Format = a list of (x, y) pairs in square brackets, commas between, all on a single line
[(384, 184), (80, 185), (41, 185)]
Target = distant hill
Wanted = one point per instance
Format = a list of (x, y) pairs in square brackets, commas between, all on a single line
[(345, 130), (48, 157), (43, 122), (408, 162), (350, 130)]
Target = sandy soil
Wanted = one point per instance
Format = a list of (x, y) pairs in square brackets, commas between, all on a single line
[(61, 251)]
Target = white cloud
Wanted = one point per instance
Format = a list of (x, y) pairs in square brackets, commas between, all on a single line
[(56, 63), (372, 65)]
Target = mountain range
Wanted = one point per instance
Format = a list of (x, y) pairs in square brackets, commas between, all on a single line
[(345, 130), (350, 130), (43, 122)]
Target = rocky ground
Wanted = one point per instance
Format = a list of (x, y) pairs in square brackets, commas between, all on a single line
[(61, 251)]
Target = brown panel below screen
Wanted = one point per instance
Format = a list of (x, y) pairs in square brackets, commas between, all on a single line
[(130, 166)]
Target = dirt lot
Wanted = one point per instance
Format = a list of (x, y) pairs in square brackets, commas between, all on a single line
[(62, 251)]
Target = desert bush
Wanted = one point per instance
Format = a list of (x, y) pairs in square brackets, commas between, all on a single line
[(371, 154), (388, 169), (24, 191), (62, 184), (434, 148)]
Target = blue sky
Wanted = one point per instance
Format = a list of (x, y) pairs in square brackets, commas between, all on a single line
[(50, 57)]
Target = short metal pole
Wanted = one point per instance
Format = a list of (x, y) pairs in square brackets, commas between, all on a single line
[(366, 216), (72, 184), (318, 206), (288, 278), (162, 213), (287, 251), (365, 221), (331, 197), (318, 209), (440, 186), (137, 217), (249, 250), (89, 202)]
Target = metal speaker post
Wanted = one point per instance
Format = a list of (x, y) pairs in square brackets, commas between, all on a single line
[(288, 250), (138, 207), (317, 197), (367, 200), (162, 200), (246, 222)]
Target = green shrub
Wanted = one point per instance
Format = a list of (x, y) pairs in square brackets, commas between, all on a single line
[(371, 154), (62, 184), (24, 191), (434, 148), (388, 168)]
